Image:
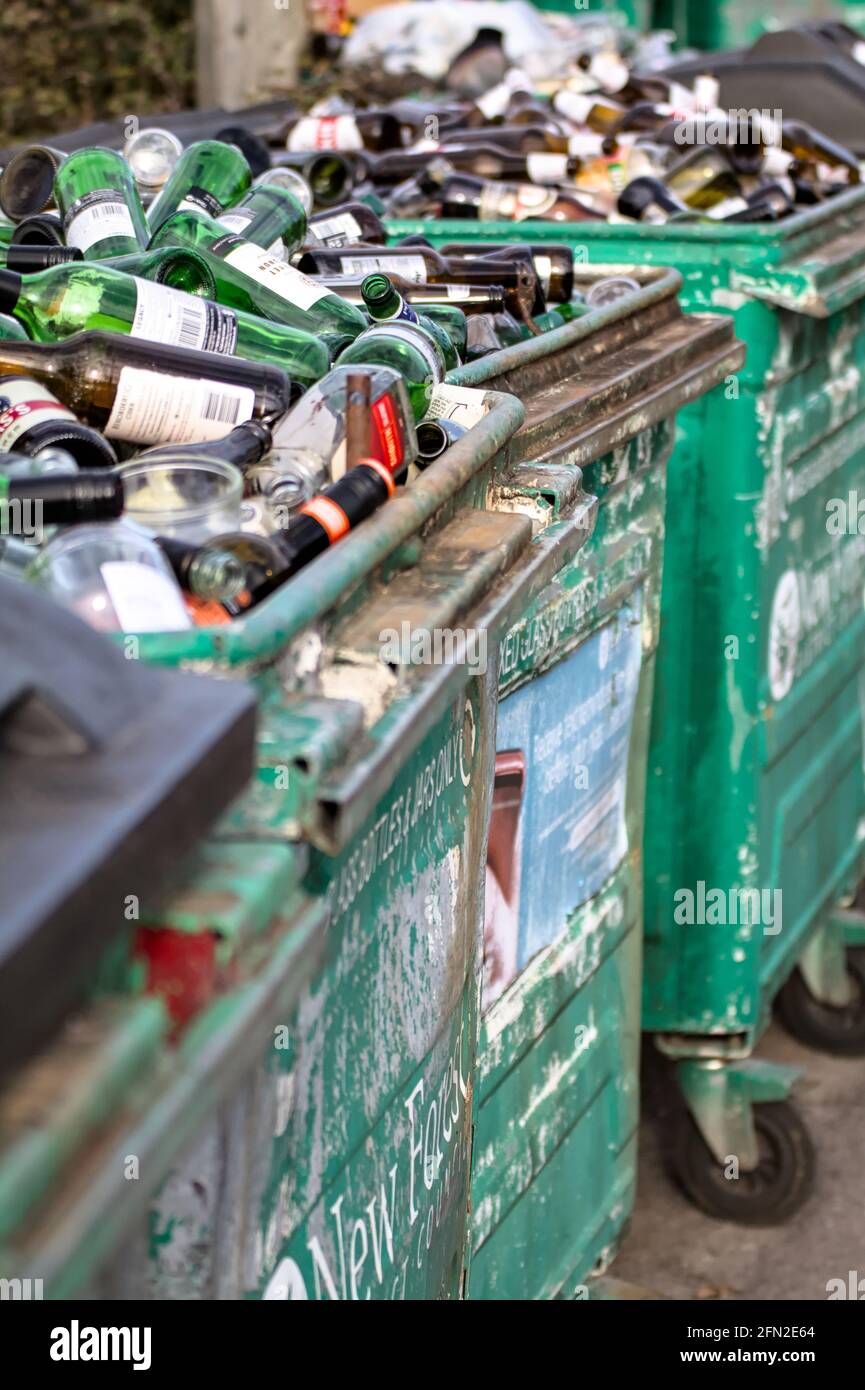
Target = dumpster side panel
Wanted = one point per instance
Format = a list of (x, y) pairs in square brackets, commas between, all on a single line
[(555, 1142)]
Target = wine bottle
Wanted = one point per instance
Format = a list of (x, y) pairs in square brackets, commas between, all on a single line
[(269, 217), (251, 146), (344, 224), (309, 443), (468, 299), (703, 180), (329, 176), (463, 195), (32, 418), (243, 446), (68, 298), (329, 516), (145, 392), (62, 499), (649, 200), (210, 571), (289, 179), (249, 278), (27, 181), (43, 229), (26, 258), (99, 203), (422, 264), (487, 161), (358, 130), (434, 437), (11, 330), (409, 350), (208, 177), (383, 301), (152, 155), (553, 263)]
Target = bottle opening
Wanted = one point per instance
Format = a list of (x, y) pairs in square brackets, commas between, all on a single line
[(375, 289)]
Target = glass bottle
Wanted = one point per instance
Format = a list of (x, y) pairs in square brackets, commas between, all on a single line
[(99, 204), (209, 176)]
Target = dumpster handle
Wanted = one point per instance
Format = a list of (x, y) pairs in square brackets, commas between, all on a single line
[(270, 627)]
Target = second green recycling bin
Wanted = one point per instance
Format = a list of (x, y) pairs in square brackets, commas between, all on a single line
[(755, 817)]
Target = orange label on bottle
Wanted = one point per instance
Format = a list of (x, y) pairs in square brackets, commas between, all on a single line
[(387, 433), (330, 517), (205, 612)]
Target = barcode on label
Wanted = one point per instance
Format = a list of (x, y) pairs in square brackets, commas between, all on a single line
[(107, 210), (189, 330), (225, 409)]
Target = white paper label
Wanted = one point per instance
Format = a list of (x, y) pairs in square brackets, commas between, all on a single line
[(334, 230), (727, 207), (707, 91), (463, 404), (499, 201), (494, 102), (155, 408), (166, 315), (268, 270), (144, 599), (409, 267), (609, 70), (544, 269), (574, 105), (458, 292), (586, 145), (237, 220), (326, 133), (24, 403), (97, 216), (858, 52), (547, 168)]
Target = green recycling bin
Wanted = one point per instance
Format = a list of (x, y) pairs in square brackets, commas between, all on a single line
[(558, 1090), (755, 793), (279, 1103), (735, 23)]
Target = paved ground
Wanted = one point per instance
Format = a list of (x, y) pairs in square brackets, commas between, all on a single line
[(676, 1251)]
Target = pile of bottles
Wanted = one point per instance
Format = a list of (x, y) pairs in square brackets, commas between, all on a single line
[(212, 364)]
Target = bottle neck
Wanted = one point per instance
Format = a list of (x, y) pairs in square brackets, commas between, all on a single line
[(10, 291)]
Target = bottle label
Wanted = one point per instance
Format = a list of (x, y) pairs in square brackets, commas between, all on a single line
[(275, 274), (23, 404), (609, 71), (543, 270), (547, 168), (155, 408), (409, 267), (166, 315), (96, 216), (144, 599), (325, 133), (334, 231), (463, 404), (575, 105), (405, 312), (199, 200), (495, 102), (458, 292), (586, 145), (386, 429), (238, 219), (498, 202), (727, 207)]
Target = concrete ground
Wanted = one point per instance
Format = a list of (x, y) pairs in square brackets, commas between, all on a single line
[(676, 1251)]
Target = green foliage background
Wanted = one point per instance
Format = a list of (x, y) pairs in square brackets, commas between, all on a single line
[(66, 63)]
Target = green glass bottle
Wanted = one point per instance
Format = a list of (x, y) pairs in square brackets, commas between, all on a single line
[(99, 203), (208, 177), (270, 217), (453, 323), (11, 331), (56, 303), (249, 278), (409, 350), (383, 300)]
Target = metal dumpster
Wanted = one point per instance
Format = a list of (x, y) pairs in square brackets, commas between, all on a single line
[(297, 1078), (735, 23), (756, 798), (557, 1092)]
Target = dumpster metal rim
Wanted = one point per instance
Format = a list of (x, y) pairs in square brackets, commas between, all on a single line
[(307, 598)]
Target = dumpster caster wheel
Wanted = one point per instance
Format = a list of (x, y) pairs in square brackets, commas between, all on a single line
[(776, 1189), (822, 1026)]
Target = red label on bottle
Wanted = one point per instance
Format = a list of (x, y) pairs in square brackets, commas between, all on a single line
[(13, 415), (387, 434)]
